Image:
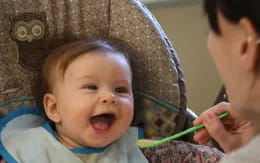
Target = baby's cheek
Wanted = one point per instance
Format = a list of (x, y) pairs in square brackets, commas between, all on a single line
[(130, 116)]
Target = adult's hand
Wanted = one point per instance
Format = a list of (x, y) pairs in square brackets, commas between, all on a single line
[(229, 132)]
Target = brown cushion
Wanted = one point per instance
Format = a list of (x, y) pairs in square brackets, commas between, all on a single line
[(156, 67)]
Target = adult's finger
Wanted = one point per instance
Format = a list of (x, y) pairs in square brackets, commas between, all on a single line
[(201, 134), (202, 137), (217, 109), (217, 130)]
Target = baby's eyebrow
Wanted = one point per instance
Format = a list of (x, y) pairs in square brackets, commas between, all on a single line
[(93, 77), (129, 82), (87, 77)]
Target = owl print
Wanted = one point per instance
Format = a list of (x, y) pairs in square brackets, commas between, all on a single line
[(29, 32)]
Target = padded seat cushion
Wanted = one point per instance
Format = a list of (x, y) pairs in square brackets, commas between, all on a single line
[(29, 30)]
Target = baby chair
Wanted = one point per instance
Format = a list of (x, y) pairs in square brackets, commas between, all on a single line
[(29, 28)]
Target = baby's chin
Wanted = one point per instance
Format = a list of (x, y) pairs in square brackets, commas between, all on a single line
[(98, 144)]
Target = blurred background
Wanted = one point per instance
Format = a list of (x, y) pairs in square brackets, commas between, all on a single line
[(184, 23)]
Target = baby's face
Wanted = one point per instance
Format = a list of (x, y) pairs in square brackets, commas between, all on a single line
[(94, 100)]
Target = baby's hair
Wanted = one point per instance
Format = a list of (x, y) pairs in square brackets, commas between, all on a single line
[(60, 58)]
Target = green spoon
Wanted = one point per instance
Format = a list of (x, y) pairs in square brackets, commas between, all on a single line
[(143, 143)]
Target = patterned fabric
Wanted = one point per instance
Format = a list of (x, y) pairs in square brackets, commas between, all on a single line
[(155, 117), (10, 105), (182, 152), (29, 29)]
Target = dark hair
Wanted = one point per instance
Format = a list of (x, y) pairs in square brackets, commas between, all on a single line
[(232, 10), (59, 59)]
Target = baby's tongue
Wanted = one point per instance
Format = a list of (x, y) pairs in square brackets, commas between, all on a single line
[(101, 122)]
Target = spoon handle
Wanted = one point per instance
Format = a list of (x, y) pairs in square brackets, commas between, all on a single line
[(175, 136)]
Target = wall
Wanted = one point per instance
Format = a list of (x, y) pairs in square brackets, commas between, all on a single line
[(187, 28)]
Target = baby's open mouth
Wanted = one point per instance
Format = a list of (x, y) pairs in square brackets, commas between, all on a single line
[(102, 121)]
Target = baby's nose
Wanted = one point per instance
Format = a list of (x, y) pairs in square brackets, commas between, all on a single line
[(109, 99)]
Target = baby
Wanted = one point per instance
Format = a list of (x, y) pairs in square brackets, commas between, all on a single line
[(89, 100)]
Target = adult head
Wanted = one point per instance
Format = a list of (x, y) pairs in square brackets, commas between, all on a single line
[(234, 44)]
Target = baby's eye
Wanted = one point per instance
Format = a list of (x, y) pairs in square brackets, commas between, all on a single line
[(92, 87), (121, 90)]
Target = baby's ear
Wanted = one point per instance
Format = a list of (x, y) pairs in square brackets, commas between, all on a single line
[(50, 107)]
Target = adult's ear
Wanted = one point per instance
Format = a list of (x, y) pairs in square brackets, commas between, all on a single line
[(50, 107), (249, 45)]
